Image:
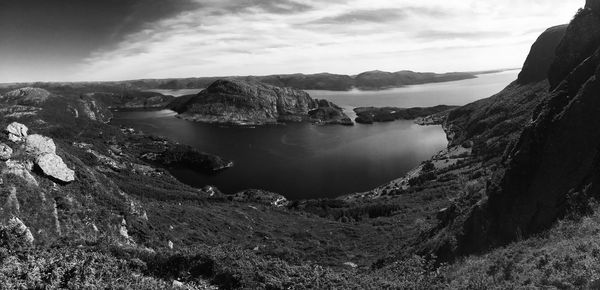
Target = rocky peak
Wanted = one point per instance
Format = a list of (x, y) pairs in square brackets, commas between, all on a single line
[(541, 55)]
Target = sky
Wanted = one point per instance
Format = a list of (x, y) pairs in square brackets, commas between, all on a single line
[(101, 40)]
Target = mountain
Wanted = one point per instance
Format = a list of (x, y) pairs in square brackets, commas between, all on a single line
[(252, 103), (375, 80)]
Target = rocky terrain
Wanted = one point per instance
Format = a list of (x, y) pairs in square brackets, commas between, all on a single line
[(510, 204), (253, 103), (370, 115)]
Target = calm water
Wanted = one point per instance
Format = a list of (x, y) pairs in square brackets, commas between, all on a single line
[(308, 161)]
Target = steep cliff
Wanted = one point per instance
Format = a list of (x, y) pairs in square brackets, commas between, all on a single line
[(552, 169), (253, 103), (541, 55)]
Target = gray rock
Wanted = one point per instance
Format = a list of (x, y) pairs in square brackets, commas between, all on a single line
[(5, 152), (39, 145), (52, 165), (16, 131)]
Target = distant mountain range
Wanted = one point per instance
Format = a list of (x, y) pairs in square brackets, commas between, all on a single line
[(370, 80)]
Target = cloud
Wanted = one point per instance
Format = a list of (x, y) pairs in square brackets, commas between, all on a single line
[(448, 34), (365, 16), (239, 37)]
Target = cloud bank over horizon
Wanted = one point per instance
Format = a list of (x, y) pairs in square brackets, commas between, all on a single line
[(133, 39)]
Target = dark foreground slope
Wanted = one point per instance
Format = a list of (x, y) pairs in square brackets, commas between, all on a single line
[(125, 223)]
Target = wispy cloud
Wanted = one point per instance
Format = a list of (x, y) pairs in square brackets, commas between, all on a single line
[(231, 37)]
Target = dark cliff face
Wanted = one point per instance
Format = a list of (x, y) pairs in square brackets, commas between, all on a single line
[(580, 41), (555, 166), (541, 55), (251, 103), (552, 168)]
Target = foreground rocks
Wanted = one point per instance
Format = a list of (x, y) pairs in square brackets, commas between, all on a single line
[(5, 152), (253, 103), (16, 132), (39, 148)]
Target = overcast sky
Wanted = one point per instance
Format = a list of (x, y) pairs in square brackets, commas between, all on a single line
[(66, 40)]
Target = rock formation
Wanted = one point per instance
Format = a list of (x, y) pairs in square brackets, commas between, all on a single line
[(53, 166), (43, 152), (26, 96), (5, 152), (38, 145), (250, 103), (16, 132)]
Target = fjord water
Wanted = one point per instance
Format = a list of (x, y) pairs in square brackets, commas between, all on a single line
[(309, 161)]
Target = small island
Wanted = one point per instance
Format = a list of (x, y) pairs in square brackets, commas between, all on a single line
[(370, 115), (251, 103)]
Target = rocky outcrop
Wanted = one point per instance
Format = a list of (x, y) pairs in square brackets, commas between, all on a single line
[(330, 113), (5, 152), (43, 151), (26, 96), (16, 132), (53, 166), (250, 103), (541, 55), (38, 145)]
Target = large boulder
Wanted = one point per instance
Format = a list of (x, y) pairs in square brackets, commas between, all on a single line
[(5, 152), (39, 145), (53, 166), (16, 131)]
